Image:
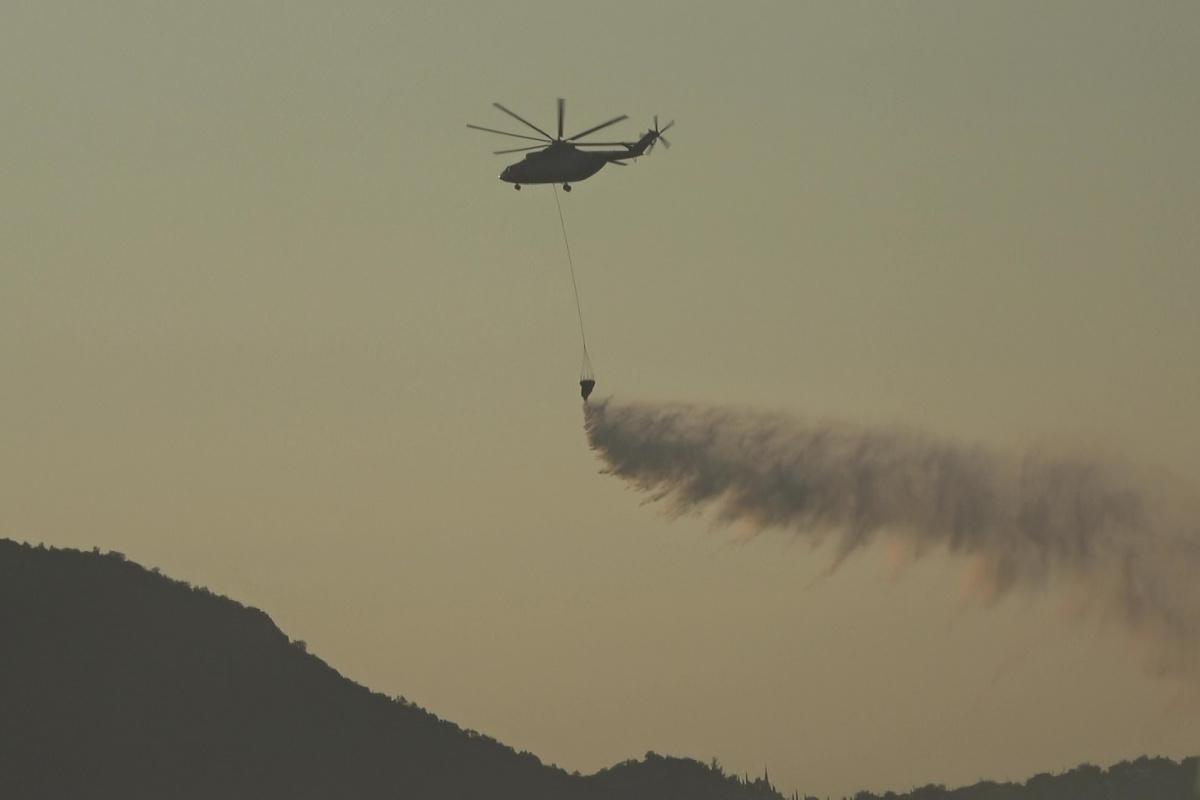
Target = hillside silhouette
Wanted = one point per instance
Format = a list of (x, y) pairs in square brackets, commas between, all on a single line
[(116, 681), (1141, 779)]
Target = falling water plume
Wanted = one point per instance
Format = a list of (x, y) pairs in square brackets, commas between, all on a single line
[(1018, 520)]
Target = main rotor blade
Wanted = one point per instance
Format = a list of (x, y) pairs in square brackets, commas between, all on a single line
[(522, 119), (519, 149), (506, 133), (612, 121), (562, 107)]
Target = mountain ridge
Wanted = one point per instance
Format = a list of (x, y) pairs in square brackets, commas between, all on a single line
[(118, 681)]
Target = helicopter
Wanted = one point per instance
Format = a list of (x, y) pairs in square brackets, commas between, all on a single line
[(561, 160)]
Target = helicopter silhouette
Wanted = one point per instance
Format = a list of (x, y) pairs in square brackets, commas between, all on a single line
[(559, 160)]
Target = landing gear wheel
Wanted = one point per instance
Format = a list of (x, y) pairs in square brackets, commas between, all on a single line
[(517, 186), (566, 187)]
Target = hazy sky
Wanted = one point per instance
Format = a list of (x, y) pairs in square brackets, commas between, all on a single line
[(269, 322)]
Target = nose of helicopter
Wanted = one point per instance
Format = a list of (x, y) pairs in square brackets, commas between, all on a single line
[(506, 175)]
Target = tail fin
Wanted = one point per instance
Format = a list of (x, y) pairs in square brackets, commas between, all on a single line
[(646, 143), (643, 144)]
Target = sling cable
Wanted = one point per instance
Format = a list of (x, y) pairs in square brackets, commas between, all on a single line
[(587, 380)]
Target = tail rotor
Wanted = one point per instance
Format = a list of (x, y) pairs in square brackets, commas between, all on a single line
[(658, 134)]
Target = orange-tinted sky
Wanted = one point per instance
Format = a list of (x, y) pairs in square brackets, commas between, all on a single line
[(269, 322)]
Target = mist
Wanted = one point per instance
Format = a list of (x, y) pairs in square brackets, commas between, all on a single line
[(1125, 540)]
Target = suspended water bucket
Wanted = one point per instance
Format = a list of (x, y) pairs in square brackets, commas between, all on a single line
[(587, 378)]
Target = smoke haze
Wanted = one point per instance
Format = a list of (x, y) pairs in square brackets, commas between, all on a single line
[(1019, 520)]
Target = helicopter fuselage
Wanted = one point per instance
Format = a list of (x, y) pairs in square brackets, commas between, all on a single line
[(563, 162), (559, 163)]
